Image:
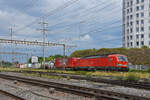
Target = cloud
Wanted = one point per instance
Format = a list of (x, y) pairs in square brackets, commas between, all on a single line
[(67, 24), (85, 38)]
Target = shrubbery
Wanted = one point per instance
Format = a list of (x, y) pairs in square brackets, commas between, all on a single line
[(148, 70), (132, 77)]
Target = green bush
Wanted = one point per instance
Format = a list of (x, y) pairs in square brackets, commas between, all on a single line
[(60, 77), (89, 75), (81, 73), (68, 77), (140, 71), (148, 70), (119, 77), (132, 77)]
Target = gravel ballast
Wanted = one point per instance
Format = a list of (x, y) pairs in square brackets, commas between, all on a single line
[(102, 86)]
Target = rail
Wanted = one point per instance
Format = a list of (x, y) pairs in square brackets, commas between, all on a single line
[(78, 90), (133, 84), (14, 97)]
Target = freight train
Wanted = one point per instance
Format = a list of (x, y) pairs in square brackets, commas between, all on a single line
[(108, 62)]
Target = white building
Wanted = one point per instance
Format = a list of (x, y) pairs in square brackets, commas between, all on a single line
[(136, 23)]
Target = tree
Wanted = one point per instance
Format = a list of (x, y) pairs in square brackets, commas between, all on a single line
[(58, 56), (50, 58)]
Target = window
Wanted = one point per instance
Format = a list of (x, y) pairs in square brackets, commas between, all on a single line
[(131, 44), (142, 21), (137, 36), (137, 15), (137, 1), (131, 30), (128, 4), (142, 43), (137, 29), (131, 16), (122, 58), (137, 22), (131, 37), (128, 24), (127, 31), (130, 9), (127, 17), (149, 42), (142, 7), (137, 8), (128, 37), (137, 43), (149, 27), (142, 35), (131, 23), (142, 0), (128, 44), (142, 14), (149, 35), (142, 29), (131, 3), (149, 20), (127, 11)]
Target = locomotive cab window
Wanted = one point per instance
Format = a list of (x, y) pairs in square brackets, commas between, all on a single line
[(122, 58)]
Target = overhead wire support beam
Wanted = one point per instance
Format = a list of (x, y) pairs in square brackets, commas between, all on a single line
[(31, 43), (36, 43), (14, 53)]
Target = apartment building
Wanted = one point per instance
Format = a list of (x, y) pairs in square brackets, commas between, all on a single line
[(136, 23)]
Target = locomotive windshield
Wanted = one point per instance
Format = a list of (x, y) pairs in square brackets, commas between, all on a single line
[(122, 58)]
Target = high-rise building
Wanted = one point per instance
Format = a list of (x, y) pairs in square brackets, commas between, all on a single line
[(136, 23)]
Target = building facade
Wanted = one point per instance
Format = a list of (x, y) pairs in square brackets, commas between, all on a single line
[(136, 23)]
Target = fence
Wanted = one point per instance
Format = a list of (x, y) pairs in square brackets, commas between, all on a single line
[(138, 67)]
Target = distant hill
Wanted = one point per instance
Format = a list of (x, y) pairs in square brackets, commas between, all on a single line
[(135, 56)]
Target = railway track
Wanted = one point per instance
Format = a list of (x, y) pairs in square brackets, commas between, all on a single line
[(78, 90), (133, 84), (13, 97)]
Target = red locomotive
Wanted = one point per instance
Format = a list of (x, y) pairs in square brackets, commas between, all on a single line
[(104, 62)]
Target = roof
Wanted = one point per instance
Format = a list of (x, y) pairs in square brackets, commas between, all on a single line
[(98, 56)]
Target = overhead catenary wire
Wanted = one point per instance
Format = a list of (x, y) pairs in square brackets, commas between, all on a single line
[(51, 13), (82, 12), (91, 32), (65, 5), (86, 20), (101, 9), (111, 24), (85, 10), (103, 2), (31, 3)]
